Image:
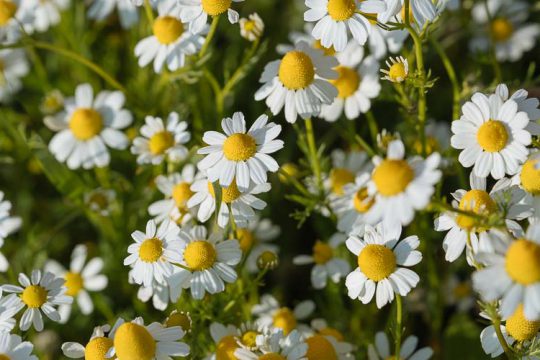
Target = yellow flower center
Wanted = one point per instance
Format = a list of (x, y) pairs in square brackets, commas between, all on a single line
[(347, 82), (392, 176), (216, 7), (319, 348), (160, 142), (249, 339), (7, 11), (478, 202), (181, 193), (501, 29), (179, 319), (97, 348), (327, 51), (133, 341), (377, 262), (284, 319), (492, 136), (200, 255), (167, 29), (340, 10), (272, 356), (228, 194), (340, 177), (519, 327), (246, 239), (530, 177), (523, 262), (239, 147), (34, 296), (74, 283), (85, 123), (151, 250), (296, 70), (226, 347), (462, 290), (432, 145), (322, 252), (4, 357), (360, 203), (328, 331), (397, 71)]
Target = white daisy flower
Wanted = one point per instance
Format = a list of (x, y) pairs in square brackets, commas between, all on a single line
[(161, 141), (87, 125), (305, 36), (101, 9), (528, 178), (241, 204), (38, 293), (170, 42), (420, 11), (13, 348), (400, 186), (357, 84), (226, 340), (503, 198), (176, 188), (327, 264), (517, 270), (382, 351), (14, 66), (336, 18), (97, 346), (398, 69), (270, 314), (353, 205), (345, 167), (100, 200), (254, 240), (492, 134), (276, 345), (208, 261), (196, 12), (382, 262), (299, 81), (81, 278), (239, 154), (134, 340), (530, 105), (15, 13), (8, 225), (162, 294), (459, 293), (252, 27), (506, 29), (47, 12)]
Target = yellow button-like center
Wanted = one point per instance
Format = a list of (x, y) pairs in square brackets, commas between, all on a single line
[(347, 82), (361, 202), (179, 319), (392, 176), (501, 29), (74, 283), (322, 252), (226, 347), (523, 262), (327, 51), (85, 123), (492, 136), (151, 250), (181, 193), (397, 72), (296, 70), (34, 296), (340, 10), (284, 319), (249, 339), (161, 142), (97, 348), (200, 255), (519, 327), (377, 262), (7, 11), (246, 239), (319, 348), (272, 356), (530, 177), (478, 202), (340, 177), (167, 29), (4, 357), (228, 194), (328, 331), (239, 147), (216, 7), (133, 341)]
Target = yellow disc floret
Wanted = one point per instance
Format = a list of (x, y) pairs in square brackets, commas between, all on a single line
[(322, 253), (519, 327), (228, 194), (340, 10), (285, 320), (340, 177), (320, 348), (478, 202), (179, 319), (501, 29), (239, 147), (74, 283), (272, 356), (249, 339), (7, 11), (34, 296), (246, 239), (523, 262), (530, 177), (200, 255), (361, 201), (167, 29), (85, 123), (226, 347), (347, 82), (215, 7), (160, 142), (397, 72), (392, 176), (151, 250), (181, 193), (133, 341), (377, 262), (296, 70), (97, 348), (492, 136)]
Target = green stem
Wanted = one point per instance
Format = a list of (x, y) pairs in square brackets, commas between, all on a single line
[(373, 128), (211, 32), (314, 159), (451, 75), (497, 326), (399, 326), (365, 145), (148, 11)]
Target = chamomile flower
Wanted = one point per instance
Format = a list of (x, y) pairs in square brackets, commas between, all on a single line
[(196, 12), (134, 340), (299, 81), (336, 18), (240, 154), (101, 9), (345, 167), (13, 67), (505, 28), (382, 264), (398, 69), (154, 252), (162, 294), (517, 270), (100, 200), (400, 186), (255, 240), (47, 13), (13, 15), (208, 261), (463, 229), (40, 293), (179, 318), (382, 351), (252, 27), (161, 141), (353, 205), (81, 278), (276, 345), (528, 178), (241, 204), (170, 42), (97, 346), (357, 84), (270, 314), (87, 126), (420, 11), (225, 338), (492, 134), (327, 264), (530, 105), (13, 348)]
